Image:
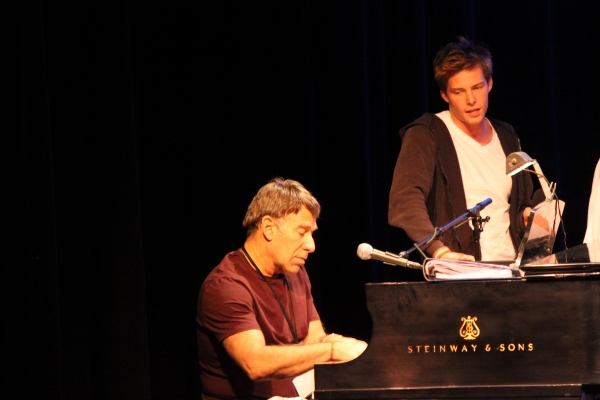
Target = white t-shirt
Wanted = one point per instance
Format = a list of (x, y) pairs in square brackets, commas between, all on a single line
[(483, 170)]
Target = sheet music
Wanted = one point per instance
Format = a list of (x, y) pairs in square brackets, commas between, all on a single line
[(305, 384), (436, 269)]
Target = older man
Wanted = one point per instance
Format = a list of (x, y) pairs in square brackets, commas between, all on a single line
[(257, 325)]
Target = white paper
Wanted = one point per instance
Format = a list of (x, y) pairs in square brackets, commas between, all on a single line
[(440, 269), (305, 383)]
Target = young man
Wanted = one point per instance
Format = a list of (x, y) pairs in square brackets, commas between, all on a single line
[(257, 325), (453, 160)]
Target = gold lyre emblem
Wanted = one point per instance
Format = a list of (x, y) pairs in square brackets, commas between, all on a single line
[(469, 329)]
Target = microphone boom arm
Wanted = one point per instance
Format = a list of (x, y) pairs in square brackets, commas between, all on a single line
[(469, 214)]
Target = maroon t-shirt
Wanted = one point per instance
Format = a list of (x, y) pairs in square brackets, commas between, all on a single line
[(235, 298)]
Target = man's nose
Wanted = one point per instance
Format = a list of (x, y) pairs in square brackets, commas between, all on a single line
[(309, 244), (471, 97)]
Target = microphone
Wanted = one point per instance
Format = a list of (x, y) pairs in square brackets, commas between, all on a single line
[(366, 252), (480, 206)]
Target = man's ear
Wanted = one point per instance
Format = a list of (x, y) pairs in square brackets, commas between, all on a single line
[(267, 227), (443, 94), (490, 84)]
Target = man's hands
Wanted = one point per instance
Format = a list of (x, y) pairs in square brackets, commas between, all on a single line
[(344, 348), (261, 361), (445, 253), (526, 214), (451, 255)]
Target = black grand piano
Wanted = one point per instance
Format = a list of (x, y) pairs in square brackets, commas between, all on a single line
[(534, 338)]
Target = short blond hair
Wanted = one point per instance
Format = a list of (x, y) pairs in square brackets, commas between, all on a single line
[(278, 198)]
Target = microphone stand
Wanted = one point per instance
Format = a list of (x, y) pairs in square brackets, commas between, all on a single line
[(478, 222), (472, 213)]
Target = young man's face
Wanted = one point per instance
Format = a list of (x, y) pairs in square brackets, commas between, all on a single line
[(467, 98), (294, 241)]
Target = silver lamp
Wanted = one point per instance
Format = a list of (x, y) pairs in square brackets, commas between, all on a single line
[(544, 220), (519, 161)]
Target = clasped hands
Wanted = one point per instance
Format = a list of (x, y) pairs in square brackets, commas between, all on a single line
[(344, 348)]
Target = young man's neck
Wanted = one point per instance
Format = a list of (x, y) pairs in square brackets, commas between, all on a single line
[(481, 133)]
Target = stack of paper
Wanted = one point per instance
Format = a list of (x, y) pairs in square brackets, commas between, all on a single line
[(440, 269)]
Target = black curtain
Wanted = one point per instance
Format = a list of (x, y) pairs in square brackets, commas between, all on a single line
[(136, 133)]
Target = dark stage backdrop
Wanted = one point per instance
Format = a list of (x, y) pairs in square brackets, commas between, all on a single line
[(136, 134)]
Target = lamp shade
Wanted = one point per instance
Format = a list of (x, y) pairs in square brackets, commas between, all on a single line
[(517, 162)]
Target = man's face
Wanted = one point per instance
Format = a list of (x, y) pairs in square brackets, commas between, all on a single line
[(467, 98), (293, 241)]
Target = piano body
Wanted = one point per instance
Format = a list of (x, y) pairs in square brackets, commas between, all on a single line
[(514, 339)]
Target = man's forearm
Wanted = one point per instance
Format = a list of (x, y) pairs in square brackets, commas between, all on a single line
[(260, 361)]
